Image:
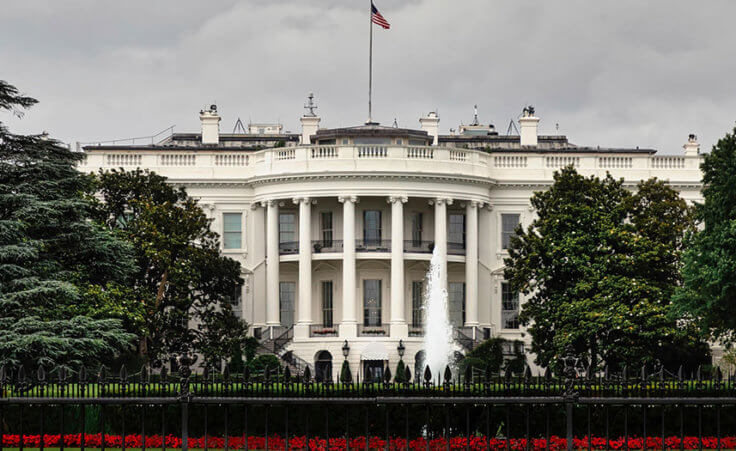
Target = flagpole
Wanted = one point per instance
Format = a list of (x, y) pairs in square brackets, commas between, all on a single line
[(370, 60)]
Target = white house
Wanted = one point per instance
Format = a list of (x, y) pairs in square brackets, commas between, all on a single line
[(334, 228)]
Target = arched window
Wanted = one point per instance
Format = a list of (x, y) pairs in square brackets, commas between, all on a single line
[(419, 366), (323, 366)]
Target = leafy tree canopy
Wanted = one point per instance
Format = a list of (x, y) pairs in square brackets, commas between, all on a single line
[(598, 267), (186, 287), (708, 294), (57, 268)]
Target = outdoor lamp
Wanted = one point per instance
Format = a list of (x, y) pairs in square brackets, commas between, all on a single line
[(345, 349), (401, 348)]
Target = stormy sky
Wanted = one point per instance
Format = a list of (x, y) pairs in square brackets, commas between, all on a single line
[(610, 73)]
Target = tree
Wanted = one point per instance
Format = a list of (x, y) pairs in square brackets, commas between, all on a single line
[(599, 265), (708, 294), (186, 287), (58, 269), (400, 374), (487, 356), (345, 375)]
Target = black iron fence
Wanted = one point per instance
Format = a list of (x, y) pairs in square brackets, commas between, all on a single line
[(279, 410)]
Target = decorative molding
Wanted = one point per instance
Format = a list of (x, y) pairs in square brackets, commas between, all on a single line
[(397, 198), (353, 199), (290, 178)]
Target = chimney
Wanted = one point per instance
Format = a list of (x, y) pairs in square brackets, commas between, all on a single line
[(210, 125), (431, 124), (310, 121), (528, 124), (692, 146)]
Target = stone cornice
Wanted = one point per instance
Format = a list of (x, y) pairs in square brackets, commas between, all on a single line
[(434, 177)]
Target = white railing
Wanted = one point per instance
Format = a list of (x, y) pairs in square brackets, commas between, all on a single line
[(562, 161), (615, 162), (178, 159), (372, 151), (285, 154), (123, 160), (324, 152), (668, 162), (509, 161), (458, 155), (424, 152), (232, 159)]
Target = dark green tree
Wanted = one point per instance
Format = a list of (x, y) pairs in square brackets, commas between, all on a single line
[(487, 356), (187, 288), (598, 267), (58, 269), (400, 374), (345, 375), (708, 294)]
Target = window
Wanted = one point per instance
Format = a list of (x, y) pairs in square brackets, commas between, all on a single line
[(326, 220), (323, 366), (416, 229), (327, 307), (417, 294), (232, 230), (373, 370), (456, 239), (508, 224), (287, 294), (509, 307), (372, 228), (287, 227), (456, 298), (372, 302)]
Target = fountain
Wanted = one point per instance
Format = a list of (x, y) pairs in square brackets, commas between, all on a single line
[(438, 341)]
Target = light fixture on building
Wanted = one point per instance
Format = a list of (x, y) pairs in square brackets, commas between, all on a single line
[(345, 349), (401, 348)]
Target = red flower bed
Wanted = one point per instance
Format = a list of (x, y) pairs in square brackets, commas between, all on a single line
[(358, 443)]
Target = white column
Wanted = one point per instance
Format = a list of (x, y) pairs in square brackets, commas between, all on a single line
[(301, 330), (349, 325), (399, 327), (471, 263), (272, 263), (440, 234)]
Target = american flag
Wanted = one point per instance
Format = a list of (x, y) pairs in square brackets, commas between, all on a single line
[(378, 19)]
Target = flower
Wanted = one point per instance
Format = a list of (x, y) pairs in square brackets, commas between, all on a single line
[(278, 443)]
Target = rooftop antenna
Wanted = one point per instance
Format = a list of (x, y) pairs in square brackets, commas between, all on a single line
[(475, 115), (310, 105), (557, 127), (512, 127), (239, 127)]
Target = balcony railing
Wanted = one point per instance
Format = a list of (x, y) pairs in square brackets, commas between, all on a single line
[(456, 248), (424, 247), (320, 330), (288, 248), (416, 331), (370, 245), (373, 331), (326, 246)]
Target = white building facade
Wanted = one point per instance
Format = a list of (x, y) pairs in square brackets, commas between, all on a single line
[(335, 228)]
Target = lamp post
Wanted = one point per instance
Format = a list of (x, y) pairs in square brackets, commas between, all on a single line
[(401, 349), (345, 349)]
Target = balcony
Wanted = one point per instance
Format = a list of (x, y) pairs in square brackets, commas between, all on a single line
[(418, 246), (320, 330), (326, 246), (370, 245), (416, 331), (289, 248), (373, 331), (456, 248)]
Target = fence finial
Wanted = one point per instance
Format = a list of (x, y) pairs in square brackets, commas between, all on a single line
[(427, 375), (448, 375)]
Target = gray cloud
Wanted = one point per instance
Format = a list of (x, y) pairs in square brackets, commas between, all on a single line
[(611, 73)]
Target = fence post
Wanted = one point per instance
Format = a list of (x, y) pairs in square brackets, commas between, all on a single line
[(570, 362), (184, 398)]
